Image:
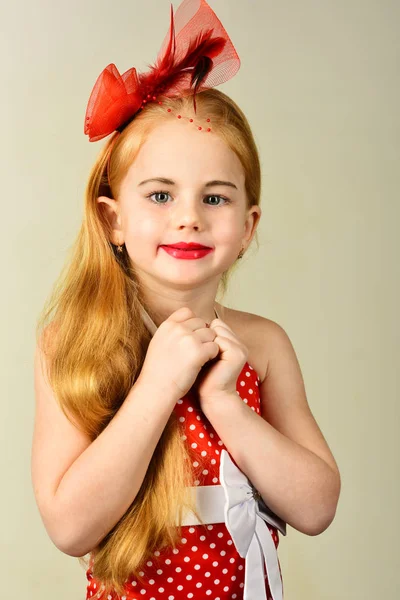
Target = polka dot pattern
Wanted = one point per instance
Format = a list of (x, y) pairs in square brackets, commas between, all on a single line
[(206, 563)]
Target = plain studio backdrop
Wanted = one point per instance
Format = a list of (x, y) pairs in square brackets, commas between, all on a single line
[(319, 82)]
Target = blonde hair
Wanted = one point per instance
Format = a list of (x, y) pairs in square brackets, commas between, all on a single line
[(100, 341)]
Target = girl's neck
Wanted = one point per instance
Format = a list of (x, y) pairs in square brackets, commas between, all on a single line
[(152, 326)]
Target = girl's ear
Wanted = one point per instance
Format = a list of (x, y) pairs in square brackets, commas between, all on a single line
[(111, 212)]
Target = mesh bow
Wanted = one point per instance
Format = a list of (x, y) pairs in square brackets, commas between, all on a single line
[(196, 54)]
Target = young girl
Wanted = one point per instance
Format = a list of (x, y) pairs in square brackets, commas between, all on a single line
[(173, 438)]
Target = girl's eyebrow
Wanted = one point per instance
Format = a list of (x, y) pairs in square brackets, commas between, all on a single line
[(208, 184)]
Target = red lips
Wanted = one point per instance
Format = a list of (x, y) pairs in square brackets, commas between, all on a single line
[(187, 246)]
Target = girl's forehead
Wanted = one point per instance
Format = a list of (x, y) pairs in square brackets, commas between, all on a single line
[(178, 147)]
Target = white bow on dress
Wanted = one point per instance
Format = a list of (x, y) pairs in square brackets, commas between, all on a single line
[(245, 513)]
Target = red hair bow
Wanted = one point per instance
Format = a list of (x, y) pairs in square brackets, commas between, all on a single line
[(196, 54)]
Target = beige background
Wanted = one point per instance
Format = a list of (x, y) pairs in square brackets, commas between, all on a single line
[(319, 83)]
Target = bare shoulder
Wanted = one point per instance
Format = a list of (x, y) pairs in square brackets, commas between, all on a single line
[(257, 333)]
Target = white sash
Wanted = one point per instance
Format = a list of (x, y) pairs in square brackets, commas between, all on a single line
[(237, 503)]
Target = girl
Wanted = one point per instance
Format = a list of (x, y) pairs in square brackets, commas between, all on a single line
[(173, 438)]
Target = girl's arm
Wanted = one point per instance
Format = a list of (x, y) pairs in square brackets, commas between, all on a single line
[(83, 488)]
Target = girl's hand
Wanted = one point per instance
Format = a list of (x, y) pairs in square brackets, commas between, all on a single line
[(217, 379), (178, 350)]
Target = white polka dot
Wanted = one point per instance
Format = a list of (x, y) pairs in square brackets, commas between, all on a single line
[(207, 574), (232, 560), (229, 542), (205, 472), (180, 401), (245, 400), (210, 527), (186, 559), (194, 548), (141, 573), (202, 537), (250, 391), (197, 567), (240, 567), (205, 555), (151, 581), (213, 461), (220, 534), (215, 479), (188, 577), (195, 464), (211, 435), (198, 417), (192, 530), (201, 434), (208, 592), (203, 453), (190, 409), (216, 581), (192, 427), (241, 585), (217, 452), (220, 443), (190, 595), (167, 561), (156, 553), (180, 587), (171, 597), (134, 582), (175, 551), (224, 571), (183, 540), (226, 589), (209, 443), (252, 408), (247, 374), (194, 445), (199, 584), (222, 553), (197, 482), (233, 577), (170, 579), (148, 564), (181, 419), (159, 571), (142, 591), (242, 383), (161, 589), (178, 569), (215, 563)]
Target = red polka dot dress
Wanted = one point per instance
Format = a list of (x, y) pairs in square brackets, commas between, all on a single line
[(206, 563)]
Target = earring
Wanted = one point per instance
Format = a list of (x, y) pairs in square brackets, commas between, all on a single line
[(120, 248), (241, 253)]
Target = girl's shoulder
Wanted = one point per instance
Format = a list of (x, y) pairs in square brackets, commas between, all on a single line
[(254, 331)]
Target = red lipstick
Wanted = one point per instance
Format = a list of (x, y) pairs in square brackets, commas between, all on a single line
[(186, 251), (186, 245)]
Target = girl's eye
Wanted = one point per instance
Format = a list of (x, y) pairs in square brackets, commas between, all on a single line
[(226, 200)]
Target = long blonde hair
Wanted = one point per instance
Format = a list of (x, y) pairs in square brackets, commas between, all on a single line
[(99, 341)]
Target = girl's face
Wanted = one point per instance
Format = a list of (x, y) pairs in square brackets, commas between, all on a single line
[(186, 208)]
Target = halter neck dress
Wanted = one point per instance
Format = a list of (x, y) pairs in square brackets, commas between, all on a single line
[(206, 564)]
